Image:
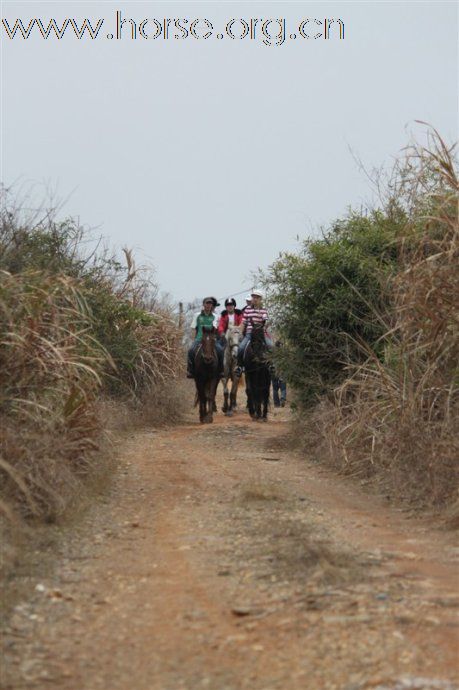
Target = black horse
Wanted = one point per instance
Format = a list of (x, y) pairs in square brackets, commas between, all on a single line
[(206, 374), (257, 374)]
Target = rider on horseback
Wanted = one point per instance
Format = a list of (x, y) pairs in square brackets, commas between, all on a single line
[(248, 303), (255, 313), (204, 318), (207, 318), (229, 316)]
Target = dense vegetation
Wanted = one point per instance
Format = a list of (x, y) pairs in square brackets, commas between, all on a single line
[(369, 318), (76, 326), (328, 298)]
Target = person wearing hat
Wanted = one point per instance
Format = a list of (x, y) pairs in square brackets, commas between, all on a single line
[(248, 303), (230, 316), (255, 313), (205, 317)]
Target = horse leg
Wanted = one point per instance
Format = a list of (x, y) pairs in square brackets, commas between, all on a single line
[(250, 400), (260, 394), (203, 404), (266, 386), (213, 405), (232, 404), (233, 394), (265, 406), (225, 395), (211, 392), (207, 403), (258, 405), (202, 407), (198, 399), (234, 384)]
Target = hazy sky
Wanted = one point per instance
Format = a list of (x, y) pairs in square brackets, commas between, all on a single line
[(210, 156)]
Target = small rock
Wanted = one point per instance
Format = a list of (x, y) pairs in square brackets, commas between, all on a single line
[(55, 594), (241, 610)]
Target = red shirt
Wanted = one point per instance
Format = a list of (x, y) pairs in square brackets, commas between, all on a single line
[(224, 320)]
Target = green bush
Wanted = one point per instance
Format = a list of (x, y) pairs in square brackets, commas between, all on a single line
[(119, 298), (115, 324), (327, 299)]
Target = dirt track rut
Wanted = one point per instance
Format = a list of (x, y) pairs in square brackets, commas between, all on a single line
[(222, 560)]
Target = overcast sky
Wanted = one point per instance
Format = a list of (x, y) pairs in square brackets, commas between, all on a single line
[(210, 156)]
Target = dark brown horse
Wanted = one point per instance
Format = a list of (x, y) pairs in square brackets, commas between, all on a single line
[(206, 374), (257, 374)]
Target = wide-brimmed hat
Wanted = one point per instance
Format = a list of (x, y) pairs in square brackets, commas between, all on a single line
[(230, 300), (211, 299), (258, 293)]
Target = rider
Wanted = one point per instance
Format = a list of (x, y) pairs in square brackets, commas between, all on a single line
[(205, 317), (255, 313), (230, 316), (248, 303)]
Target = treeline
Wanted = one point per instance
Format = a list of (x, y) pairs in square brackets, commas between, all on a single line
[(77, 327), (369, 318)]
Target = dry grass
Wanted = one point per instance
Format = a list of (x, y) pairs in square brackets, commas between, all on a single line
[(59, 300), (162, 405), (398, 419), (49, 373), (160, 354), (53, 369), (260, 490)]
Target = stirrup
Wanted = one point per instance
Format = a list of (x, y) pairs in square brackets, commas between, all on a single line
[(238, 371)]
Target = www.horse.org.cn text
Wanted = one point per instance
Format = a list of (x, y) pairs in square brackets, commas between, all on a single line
[(266, 31)]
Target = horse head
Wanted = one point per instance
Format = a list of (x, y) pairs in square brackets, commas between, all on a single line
[(208, 344), (258, 339), (234, 336)]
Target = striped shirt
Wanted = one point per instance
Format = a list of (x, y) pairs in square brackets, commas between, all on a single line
[(252, 315)]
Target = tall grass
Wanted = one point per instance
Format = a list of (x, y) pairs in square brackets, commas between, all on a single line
[(76, 327), (397, 416), (50, 372)]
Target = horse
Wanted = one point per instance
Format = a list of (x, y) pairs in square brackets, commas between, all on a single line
[(233, 337), (257, 374), (206, 374)]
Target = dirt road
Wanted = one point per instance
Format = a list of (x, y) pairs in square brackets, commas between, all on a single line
[(222, 560)]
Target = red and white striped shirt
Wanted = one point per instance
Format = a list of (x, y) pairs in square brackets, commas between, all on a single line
[(252, 315)]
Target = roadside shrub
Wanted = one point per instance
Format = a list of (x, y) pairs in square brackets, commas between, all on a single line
[(401, 419), (327, 299), (76, 326), (50, 369), (393, 413)]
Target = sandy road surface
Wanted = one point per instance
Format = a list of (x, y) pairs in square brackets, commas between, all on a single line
[(222, 560)]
